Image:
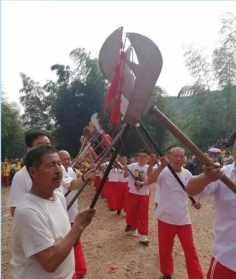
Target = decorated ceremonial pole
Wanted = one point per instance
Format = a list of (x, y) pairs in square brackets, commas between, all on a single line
[(115, 142), (121, 134), (134, 82)]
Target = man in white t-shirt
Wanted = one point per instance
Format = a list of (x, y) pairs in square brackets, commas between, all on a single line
[(173, 215), (42, 236), (223, 265), (68, 175), (22, 182), (137, 203)]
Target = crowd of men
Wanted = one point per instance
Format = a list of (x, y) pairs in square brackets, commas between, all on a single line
[(46, 236)]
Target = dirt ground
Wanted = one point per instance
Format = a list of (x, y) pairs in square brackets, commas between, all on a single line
[(113, 255)]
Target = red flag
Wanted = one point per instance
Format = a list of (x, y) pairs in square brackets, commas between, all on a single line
[(114, 87), (115, 114), (113, 96)]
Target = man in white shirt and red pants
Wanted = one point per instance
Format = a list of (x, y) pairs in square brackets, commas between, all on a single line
[(68, 176), (173, 215), (223, 264), (137, 203)]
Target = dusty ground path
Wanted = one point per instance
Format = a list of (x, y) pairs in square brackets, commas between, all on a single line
[(113, 255)]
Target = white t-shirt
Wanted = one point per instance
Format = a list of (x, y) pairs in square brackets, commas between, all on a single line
[(37, 225), (68, 176), (21, 184), (122, 177), (135, 168), (172, 199), (225, 221), (114, 175)]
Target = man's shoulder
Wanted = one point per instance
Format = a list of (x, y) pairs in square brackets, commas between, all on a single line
[(21, 173), (133, 165), (228, 168), (186, 172), (27, 206), (165, 171)]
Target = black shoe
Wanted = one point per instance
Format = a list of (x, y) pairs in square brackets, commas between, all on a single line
[(118, 212), (166, 277), (129, 228)]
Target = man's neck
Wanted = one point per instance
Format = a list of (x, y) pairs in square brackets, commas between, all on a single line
[(44, 195), (177, 170)]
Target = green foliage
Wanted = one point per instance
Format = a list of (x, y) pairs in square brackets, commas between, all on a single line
[(12, 132), (34, 101), (77, 100), (133, 142), (204, 118), (224, 56)]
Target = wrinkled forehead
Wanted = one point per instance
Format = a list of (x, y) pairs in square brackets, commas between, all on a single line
[(177, 151), (50, 157)]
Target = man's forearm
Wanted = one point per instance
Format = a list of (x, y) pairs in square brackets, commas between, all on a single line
[(153, 176), (52, 257), (197, 184)]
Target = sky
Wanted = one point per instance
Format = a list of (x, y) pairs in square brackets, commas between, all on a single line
[(38, 34)]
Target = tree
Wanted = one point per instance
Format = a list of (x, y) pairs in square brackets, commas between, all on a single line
[(12, 132), (224, 56), (133, 142), (33, 98), (200, 69), (216, 112), (78, 99)]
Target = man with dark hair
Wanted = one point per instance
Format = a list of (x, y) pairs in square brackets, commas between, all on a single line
[(36, 138), (223, 264), (21, 182), (42, 236)]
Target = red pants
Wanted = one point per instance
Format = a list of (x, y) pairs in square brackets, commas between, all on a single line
[(80, 264), (106, 190), (166, 235), (5, 181), (116, 195), (137, 212), (218, 271), (126, 192), (96, 181)]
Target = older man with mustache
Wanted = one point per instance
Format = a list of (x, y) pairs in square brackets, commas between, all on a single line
[(42, 236)]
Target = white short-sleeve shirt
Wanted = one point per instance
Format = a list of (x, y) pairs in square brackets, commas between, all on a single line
[(38, 225), (114, 175), (142, 170), (21, 184), (225, 221), (172, 199), (68, 176)]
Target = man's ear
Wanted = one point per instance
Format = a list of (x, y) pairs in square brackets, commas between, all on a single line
[(32, 171)]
